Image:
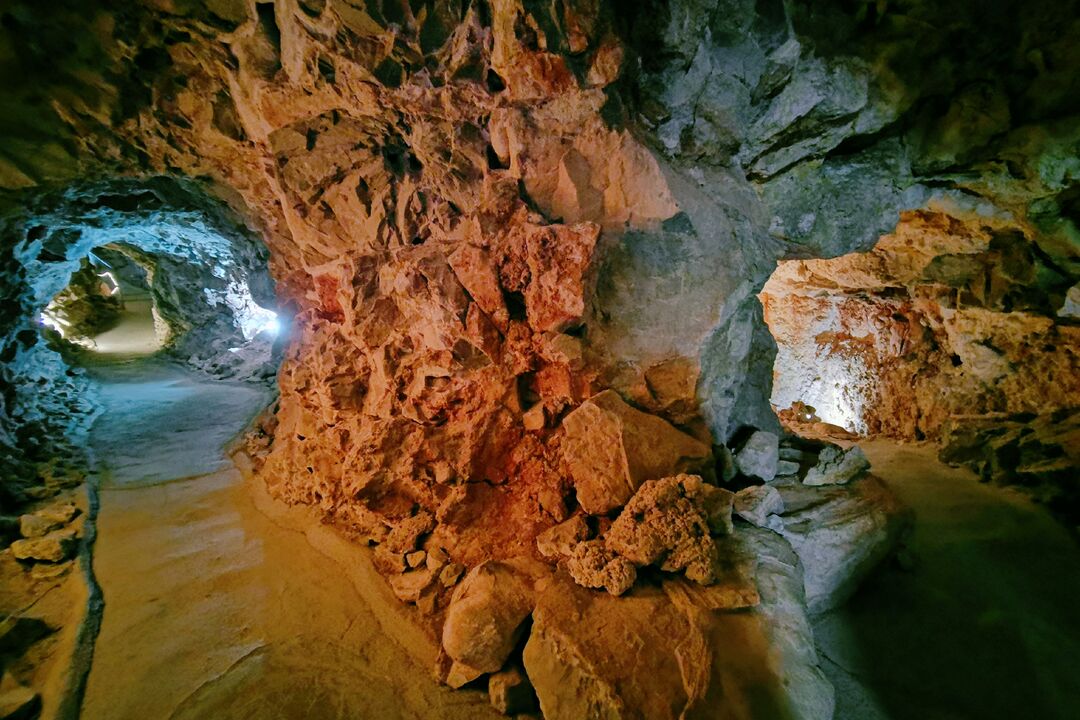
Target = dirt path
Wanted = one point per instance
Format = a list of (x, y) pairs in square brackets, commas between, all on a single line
[(215, 609), (985, 624)]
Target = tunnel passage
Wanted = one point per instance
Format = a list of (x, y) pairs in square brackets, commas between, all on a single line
[(121, 270), (951, 329)]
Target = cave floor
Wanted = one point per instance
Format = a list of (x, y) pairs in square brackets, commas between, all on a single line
[(213, 609), (983, 625)]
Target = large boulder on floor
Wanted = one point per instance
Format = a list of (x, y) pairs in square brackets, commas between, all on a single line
[(57, 546), (610, 448), (681, 650), (841, 533), (488, 610), (759, 455)]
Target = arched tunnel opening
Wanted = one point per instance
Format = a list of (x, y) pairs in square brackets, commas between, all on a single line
[(470, 359)]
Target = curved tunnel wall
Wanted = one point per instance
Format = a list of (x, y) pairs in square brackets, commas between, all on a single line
[(206, 274)]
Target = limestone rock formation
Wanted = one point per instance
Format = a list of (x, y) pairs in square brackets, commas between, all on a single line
[(610, 449), (759, 505), (759, 455), (841, 533), (836, 466), (518, 248)]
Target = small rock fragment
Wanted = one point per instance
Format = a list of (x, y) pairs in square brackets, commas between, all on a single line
[(560, 540), (533, 418), (57, 546), (410, 585), (451, 574), (592, 564), (837, 467), (461, 675), (786, 467), (415, 558), (759, 455), (756, 503), (511, 693)]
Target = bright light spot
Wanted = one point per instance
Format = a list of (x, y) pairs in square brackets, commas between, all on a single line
[(273, 326), (250, 317)]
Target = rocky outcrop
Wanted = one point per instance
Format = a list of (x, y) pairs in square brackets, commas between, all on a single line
[(610, 449), (681, 650), (951, 314), (1038, 454), (841, 533)]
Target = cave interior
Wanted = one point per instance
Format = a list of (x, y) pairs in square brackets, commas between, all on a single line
[(539, 358)]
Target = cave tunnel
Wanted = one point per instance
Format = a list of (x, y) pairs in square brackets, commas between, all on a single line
[(582, 359)]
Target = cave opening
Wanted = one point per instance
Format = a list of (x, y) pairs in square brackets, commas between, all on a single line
[(949, 330)]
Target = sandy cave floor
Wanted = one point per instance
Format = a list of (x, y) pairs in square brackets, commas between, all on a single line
[(212, 608), (215, 608), (983, 625)]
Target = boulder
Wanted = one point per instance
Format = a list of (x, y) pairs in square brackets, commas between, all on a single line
[(679, 650), (759, 455), (44, 521), (560, 540), (836, 466), (57, 546), (841, 533), (756, 503), (610, 448), (670, 522), (488, 610), (511, 693)]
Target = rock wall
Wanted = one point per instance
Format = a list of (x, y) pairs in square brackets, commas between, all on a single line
[(943, 319), (522, 240)]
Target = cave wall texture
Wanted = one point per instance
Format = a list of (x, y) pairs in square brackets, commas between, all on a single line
[(482, 213), (480, 208)]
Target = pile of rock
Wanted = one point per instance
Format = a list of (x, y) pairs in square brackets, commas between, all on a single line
[(799, 523), (1037, 453), (47, 535)]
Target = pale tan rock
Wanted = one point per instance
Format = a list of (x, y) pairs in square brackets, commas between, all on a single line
[(511, 693), (533, 418), (54, 547), (487, 611), (673, 653), (593, 564), (415, 558), (461, 675), (410, 585), (40, 522), (560, 540), (610, 449)]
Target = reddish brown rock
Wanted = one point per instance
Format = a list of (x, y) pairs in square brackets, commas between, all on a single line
[(610, 449)]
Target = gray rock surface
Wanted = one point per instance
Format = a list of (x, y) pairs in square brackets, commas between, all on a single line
[(841, 533), (757, 503), (759, 455), (836, 466)]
